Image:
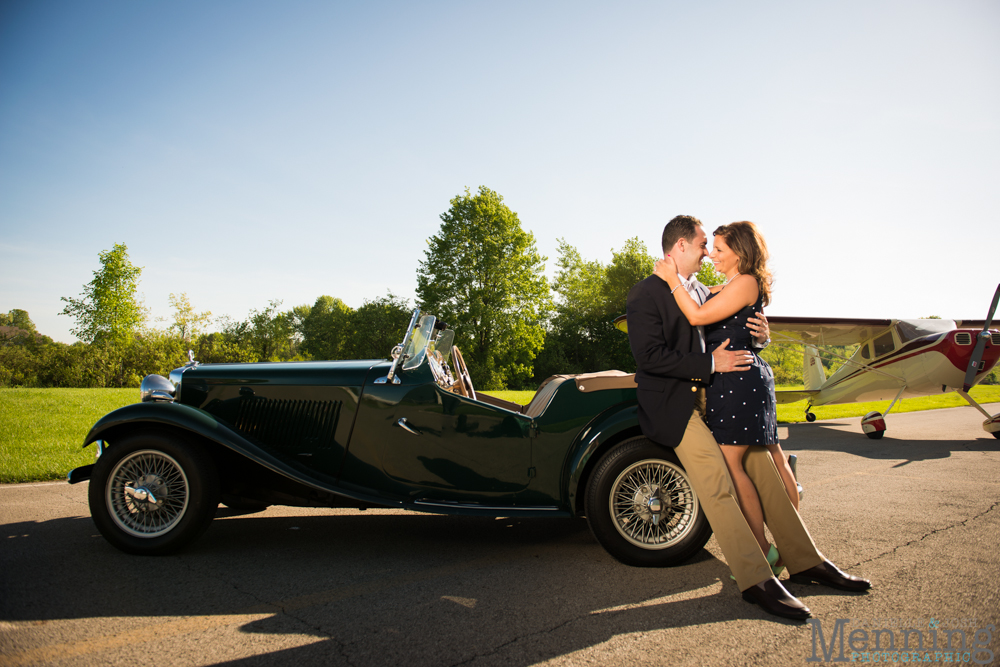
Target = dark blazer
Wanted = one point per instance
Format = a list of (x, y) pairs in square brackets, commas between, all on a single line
[(669, 366)]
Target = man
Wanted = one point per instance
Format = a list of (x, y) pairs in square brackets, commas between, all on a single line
[(672, 369)]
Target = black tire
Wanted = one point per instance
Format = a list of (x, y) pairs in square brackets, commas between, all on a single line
[(180, 477), (810, 417), (635, 482), (875, 435)]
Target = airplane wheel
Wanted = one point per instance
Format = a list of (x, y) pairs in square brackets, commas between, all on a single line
[(997, 436), (875, 435), (810, 417)]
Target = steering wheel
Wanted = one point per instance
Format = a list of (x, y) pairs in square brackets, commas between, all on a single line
[(462, 371), (441, 375)]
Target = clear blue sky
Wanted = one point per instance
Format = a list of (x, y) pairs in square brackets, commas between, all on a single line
[(248, 151)]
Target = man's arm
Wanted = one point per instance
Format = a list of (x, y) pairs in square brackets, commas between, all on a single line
[(652, 354)]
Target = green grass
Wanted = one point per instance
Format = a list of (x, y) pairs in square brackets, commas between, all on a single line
[(42, 430), (519, 397)]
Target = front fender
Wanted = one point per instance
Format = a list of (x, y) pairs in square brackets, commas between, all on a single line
[(158, 412), (607, 427), (192, 420)]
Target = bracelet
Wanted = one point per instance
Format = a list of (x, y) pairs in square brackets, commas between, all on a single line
[(675, 289)]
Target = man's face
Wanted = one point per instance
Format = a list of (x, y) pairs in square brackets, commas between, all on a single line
[(687, 255)]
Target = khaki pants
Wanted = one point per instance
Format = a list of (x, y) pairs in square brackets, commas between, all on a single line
[(702, 459)]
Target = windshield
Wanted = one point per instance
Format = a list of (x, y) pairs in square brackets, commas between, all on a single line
[(416, 347), (440, 348)]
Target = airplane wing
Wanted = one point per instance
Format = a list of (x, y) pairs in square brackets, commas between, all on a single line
[(815, 330), (844, 330), (824, 330)]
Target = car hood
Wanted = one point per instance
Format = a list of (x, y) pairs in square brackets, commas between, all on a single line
[(322, 373)]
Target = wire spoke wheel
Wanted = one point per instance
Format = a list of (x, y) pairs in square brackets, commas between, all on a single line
[(153, 492), (652, 504), (148, 493), (642, 508)]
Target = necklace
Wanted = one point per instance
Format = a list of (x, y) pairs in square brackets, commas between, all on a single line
[(731, 280)]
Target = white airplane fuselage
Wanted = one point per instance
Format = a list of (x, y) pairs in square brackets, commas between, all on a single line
[(924, 366)]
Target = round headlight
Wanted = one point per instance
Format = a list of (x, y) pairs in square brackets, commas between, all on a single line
[(156, 388)]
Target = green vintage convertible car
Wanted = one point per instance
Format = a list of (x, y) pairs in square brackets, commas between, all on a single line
[(409, 433)]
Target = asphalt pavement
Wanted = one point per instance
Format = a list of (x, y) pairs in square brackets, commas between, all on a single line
[(916, 512)]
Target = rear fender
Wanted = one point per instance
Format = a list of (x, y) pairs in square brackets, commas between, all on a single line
[(600, 435)]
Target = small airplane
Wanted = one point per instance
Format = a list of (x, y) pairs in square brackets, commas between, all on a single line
[(895, 359)]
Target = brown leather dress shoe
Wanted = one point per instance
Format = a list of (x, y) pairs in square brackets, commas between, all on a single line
[(828, 574), (773, 597)]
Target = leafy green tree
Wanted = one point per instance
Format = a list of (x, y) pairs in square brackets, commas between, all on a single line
[(376, 327), (110, 310), (268, 335), (218, 348), (630, 265), (17, 318), (482, 274), (325, 328), (581, 337), (187, 323)]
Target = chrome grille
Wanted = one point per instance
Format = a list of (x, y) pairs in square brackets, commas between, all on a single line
[(963, 338), (289, 424)]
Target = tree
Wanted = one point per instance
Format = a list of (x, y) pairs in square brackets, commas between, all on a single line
[(630, 265), (482, 274), (324, 328), (187, 323), (110, 310), (376, 327), (581, 336), (268, 335), (17, 318)]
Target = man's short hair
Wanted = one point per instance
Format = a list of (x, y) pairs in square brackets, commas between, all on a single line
[(681, 227)]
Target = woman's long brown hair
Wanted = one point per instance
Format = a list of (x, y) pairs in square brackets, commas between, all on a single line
[(746, 241)]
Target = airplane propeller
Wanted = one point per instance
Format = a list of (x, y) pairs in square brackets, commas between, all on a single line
[(977, 353)]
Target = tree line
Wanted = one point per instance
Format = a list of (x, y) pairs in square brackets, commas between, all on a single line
[(482, 274)]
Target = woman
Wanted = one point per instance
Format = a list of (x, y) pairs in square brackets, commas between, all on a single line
[(740, 406)]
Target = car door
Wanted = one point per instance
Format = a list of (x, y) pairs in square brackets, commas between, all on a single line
[(448, 447)]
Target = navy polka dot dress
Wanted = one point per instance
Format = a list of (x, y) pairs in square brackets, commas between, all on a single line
[(740, 405)]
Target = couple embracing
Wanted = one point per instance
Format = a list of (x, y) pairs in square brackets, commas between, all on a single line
[(703, 390)]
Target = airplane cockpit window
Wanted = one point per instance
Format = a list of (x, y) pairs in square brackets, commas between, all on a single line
[(883, 344), (865, 353), (908, 330)]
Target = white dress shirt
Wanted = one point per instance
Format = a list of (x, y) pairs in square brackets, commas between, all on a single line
[(700, 294)]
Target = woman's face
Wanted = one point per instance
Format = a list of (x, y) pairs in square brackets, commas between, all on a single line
[(726, 261)]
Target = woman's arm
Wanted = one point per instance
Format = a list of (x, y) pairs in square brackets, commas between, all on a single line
[(738, 294)]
